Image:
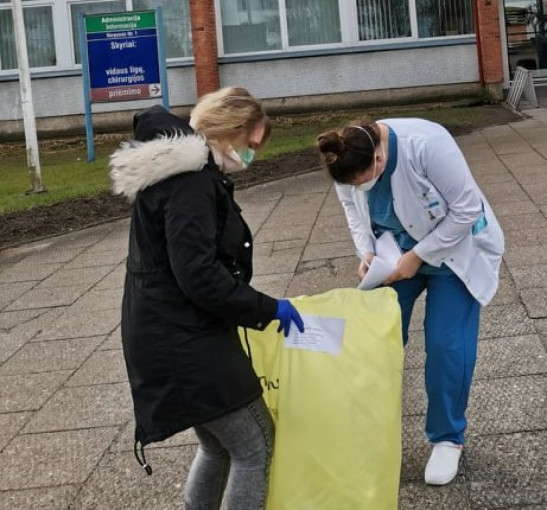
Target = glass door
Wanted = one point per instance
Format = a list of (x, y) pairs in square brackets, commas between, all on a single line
[(526, 26)]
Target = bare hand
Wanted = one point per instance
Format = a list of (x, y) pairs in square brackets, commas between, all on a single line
[(407, 267), (365, 263)]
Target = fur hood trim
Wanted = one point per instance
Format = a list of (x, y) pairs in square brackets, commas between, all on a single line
[(138, 165)]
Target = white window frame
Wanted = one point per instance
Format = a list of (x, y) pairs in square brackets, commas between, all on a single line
[(63, 33), (65, 51), (349, 32), (29, 4), (71, 63)]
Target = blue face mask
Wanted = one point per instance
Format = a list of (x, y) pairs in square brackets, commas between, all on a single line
[(247, 155)]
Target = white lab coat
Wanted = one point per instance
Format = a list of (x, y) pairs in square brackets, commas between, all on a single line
[(437, 201)]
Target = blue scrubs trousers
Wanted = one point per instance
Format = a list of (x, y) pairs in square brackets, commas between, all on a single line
[(451, 334)]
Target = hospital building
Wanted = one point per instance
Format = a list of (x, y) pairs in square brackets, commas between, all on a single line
[(296, 55)]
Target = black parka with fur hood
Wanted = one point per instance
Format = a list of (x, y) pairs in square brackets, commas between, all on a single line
[(186, 289)]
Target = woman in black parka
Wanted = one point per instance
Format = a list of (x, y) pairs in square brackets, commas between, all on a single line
[(187, 290)]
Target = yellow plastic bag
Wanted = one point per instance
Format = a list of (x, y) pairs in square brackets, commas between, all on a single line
[(337, 413)]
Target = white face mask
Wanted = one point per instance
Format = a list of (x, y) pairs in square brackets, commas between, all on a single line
[(368, 185)]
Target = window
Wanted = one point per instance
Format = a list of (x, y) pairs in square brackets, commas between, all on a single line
[(89, 8), (244, 26), (177, 26), (445, 17), (256, 25), (313, 22), (383, 19), (176, 21), (250, 26), (39, 36), (43, 23)]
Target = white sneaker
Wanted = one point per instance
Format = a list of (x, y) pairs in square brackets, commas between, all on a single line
[(442, 466)]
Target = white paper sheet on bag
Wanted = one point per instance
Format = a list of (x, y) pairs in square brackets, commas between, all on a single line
[(384, 262), (323, 334)]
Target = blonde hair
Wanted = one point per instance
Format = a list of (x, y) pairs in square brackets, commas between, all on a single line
[(229, 113)]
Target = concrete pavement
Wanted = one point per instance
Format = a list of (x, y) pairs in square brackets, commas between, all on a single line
[(65, 409)]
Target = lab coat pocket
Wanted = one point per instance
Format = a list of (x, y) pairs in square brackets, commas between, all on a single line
[(487, 237), (480, 224), (434, 205)]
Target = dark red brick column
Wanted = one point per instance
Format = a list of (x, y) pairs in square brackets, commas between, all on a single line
[(489, 50), (204, 39)]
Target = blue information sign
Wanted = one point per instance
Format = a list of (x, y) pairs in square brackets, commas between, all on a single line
[(122, 51), (123, 58)]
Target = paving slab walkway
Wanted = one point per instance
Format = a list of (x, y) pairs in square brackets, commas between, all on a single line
[(65, 408)]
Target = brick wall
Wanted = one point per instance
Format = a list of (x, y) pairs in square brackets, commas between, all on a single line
[(489, 39), (204, 40)]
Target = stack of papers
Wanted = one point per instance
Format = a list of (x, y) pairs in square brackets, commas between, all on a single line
[(384, 262)]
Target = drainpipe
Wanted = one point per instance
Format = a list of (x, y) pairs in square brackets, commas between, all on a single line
[(479, 40)]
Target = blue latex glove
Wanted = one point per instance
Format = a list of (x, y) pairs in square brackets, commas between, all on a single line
[(286, 313)]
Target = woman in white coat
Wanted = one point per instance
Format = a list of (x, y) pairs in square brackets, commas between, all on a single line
[(408, 177)]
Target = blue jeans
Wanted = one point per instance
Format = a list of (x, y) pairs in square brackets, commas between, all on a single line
[(451, 335), (233, 460)]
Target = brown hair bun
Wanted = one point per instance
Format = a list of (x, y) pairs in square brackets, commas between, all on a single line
[(331, 146)]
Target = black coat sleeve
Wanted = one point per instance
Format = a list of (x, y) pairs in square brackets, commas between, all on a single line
[(190, 229)]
